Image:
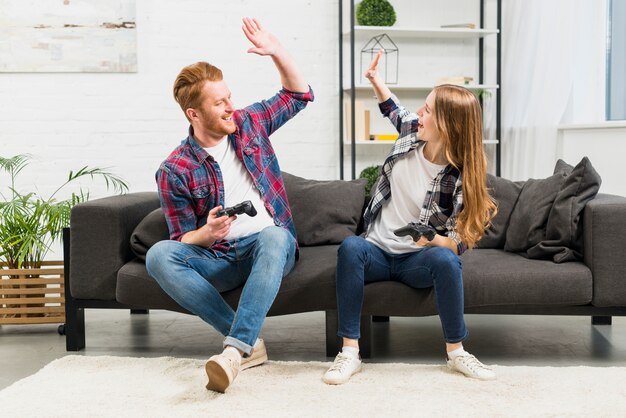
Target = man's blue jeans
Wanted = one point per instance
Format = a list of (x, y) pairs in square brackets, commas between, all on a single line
[(195, 276), (360, 262)]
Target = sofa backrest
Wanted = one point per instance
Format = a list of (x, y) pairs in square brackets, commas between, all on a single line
[(324, 212)]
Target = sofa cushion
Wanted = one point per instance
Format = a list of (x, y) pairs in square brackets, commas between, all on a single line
[(309, 287), (324, 211), (546, 220), (148, 232), (491, 278), (528, 221), (505, 193), (564, 229)]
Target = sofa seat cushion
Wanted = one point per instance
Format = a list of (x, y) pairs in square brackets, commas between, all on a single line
[(491, 277), (309, 287)]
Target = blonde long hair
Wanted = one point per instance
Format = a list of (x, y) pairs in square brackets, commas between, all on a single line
[(458, 118)]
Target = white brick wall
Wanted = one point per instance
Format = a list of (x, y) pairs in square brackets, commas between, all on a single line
[(130, 122)]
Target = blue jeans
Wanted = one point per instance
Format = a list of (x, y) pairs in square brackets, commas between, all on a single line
[(360, 262), (195, 276)]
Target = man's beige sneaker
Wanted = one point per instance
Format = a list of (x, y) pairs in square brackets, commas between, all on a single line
[(258, 356), (344, 366), (471, 367), (222, 369)]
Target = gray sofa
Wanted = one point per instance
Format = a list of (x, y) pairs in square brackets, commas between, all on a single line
[(539, 272)]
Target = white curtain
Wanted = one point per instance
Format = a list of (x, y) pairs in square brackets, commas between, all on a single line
[(543, 42)]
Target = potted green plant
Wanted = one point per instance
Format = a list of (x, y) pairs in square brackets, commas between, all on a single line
[(31, 223), (371, 174), (375, 13), (29, 226)]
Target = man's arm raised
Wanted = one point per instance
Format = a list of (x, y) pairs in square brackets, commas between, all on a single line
[(267, 44)]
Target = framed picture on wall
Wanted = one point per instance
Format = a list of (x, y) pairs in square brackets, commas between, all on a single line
[(68, 36)]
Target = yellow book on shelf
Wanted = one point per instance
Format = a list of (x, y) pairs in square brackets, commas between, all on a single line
[(384, 137)]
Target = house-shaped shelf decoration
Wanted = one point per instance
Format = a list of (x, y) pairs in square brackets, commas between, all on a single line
[(388, 64)]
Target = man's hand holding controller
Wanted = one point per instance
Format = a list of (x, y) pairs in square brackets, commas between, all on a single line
[(244, 207)]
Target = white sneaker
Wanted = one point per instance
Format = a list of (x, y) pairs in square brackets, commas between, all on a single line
[(344, 366), (471, 367)]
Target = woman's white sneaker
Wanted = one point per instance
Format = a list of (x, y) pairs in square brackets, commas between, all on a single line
[(344, 366), (471, 367)]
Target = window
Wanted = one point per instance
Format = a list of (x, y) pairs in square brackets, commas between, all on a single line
[(616, 61)]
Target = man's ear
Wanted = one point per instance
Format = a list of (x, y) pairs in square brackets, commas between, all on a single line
[(191, 113)]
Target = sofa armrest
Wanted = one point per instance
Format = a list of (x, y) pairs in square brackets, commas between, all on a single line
[(604, 227), (100, 233)]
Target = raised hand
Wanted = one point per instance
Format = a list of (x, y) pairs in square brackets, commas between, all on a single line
[(264, 42), (370, 74)]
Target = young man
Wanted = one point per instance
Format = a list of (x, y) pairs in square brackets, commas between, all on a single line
[(228, 159)]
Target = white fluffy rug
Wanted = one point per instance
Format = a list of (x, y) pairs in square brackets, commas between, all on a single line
[(78, 386)]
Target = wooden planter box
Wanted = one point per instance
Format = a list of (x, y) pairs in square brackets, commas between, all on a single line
[(32, 296)]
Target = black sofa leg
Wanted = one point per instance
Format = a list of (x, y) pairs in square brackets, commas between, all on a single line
[(139, 311), (74, 328), (74, 316), (601, 320), (377, 318), (365, 343), (333, 342)]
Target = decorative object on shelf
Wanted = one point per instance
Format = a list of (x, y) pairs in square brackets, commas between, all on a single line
[(361, 121), (29, 225), (460, 26), (388, 64), (384, 137), (375, 13), (458, 80), (370, 173)]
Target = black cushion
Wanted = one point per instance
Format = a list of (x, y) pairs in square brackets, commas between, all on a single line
[(564, 229), (527, 226), (546, 220), (324, 211), (148, 232), (505, 193)]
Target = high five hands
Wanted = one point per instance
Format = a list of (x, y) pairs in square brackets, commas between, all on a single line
[(264, 42)]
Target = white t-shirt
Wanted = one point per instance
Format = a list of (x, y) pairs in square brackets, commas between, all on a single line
[(411, 177), (238, 187)]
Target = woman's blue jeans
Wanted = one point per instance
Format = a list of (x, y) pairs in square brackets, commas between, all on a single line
[(360, 262), (195, 276)]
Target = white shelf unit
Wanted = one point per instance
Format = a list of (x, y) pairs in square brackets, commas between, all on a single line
[(353, 86), (424, 32), (401, 88), (385, 142)]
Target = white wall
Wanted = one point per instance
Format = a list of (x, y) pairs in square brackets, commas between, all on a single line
[(130, 122), (605, 146)]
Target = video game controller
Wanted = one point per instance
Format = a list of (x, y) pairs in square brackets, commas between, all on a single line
[(416, 231), (244, 207)]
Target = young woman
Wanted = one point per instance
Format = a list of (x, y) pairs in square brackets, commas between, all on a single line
[(435, 175)]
